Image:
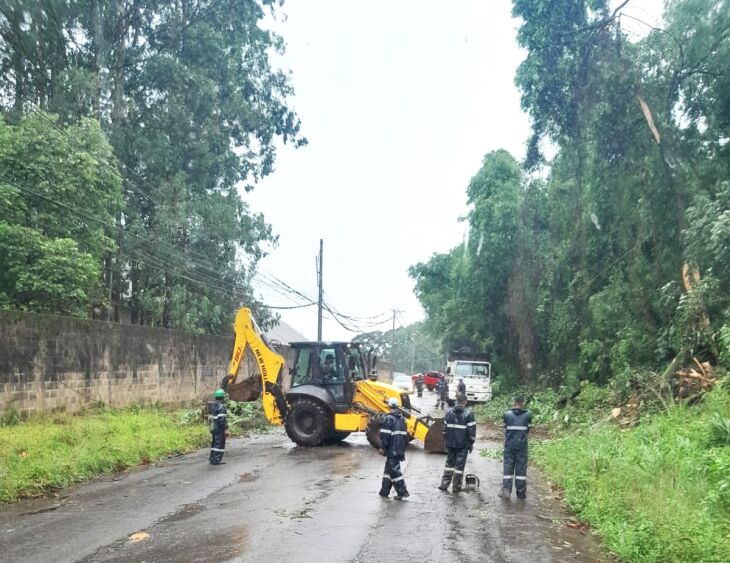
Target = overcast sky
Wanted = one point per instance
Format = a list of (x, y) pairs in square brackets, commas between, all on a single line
[(400, 101)]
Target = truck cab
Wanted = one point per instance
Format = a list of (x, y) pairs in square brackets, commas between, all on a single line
[(477, 376)]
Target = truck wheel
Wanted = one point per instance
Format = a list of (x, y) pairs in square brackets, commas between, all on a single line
[(372, 432), (308, 423)]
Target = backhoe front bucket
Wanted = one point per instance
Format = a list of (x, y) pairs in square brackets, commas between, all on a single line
[(434, 441), (245, 391)]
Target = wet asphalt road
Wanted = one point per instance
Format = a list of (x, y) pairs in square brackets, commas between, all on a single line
[(273, 501)]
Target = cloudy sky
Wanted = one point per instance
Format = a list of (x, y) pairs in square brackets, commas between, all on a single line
[(400, 100)]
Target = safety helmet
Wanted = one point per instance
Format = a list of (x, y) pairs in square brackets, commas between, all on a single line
[(392, 402), (219, 394)]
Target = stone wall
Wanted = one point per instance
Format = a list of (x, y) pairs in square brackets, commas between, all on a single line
[(50, 363)]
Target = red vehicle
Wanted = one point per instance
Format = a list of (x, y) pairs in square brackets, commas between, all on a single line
[(430, 379)]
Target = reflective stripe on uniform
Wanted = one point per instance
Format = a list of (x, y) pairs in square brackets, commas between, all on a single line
[(516, 427), (386, 431), (401, 432), (458, 472), (398, 478), (218, 415), (386, 476), (520, 478), (456, 426), (471, 423), (448, 469), (218, 449), (508, 477)]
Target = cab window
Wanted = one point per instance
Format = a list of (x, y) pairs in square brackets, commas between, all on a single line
[(330, 366), (354, 364), (303, 369)]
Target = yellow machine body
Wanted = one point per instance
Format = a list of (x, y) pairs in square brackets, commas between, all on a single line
[(368, 404)]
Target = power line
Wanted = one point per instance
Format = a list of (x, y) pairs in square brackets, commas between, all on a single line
[(209, 270), (160, 264)]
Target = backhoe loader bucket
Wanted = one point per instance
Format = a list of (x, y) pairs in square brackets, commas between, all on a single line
[(434, 441), (244, 391)]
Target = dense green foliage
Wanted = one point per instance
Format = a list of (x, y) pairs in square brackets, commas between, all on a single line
[(192, 108), (573, 267), (658, 492), (50, 260)]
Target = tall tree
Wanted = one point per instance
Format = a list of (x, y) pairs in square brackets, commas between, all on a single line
[(611, 255), (59, 199), (186, 94)]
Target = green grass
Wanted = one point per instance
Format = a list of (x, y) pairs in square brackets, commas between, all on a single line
[(541, 404), (657, 492), (48, 453), (590, 405)]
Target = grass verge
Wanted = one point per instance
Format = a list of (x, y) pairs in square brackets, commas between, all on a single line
[(657, 492), (50, 452)]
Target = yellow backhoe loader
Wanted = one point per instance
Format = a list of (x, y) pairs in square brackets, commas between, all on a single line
[(328, 395)]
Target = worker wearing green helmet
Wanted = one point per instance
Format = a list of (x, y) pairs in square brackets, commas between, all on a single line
[(218, 423)]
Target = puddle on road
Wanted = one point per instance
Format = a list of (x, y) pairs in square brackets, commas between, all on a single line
[(183, 513)]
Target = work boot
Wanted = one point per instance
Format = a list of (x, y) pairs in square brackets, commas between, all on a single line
[(522, 496), (401, 496), (446, 479), (443, 487), (456, 485), (382, 494), (504, 493)]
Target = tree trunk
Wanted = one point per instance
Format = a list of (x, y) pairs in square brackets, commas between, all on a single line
[(17, 62)]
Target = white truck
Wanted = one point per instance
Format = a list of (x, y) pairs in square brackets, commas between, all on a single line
[(475, 370)]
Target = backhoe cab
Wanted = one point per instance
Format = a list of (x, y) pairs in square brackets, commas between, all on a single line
[(327, 395)]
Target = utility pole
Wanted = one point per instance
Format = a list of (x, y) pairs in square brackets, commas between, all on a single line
[(413, 352), (321, 293), (395, 312)]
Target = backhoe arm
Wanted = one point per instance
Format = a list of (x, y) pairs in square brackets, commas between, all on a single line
[(269, 362)]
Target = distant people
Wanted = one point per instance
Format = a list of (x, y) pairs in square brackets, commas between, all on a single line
[(218, 423), (517, 422), (393, 441), (419, 384), (442, 393), (460, 431), (461, 387)]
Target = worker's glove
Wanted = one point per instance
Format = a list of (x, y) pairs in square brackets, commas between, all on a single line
[(381, 451), (471, 448)]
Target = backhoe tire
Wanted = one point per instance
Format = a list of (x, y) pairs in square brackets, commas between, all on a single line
[(308, 423), (372, 432)]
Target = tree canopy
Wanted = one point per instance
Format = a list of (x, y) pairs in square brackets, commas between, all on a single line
[(192, 108), (612, 254)]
